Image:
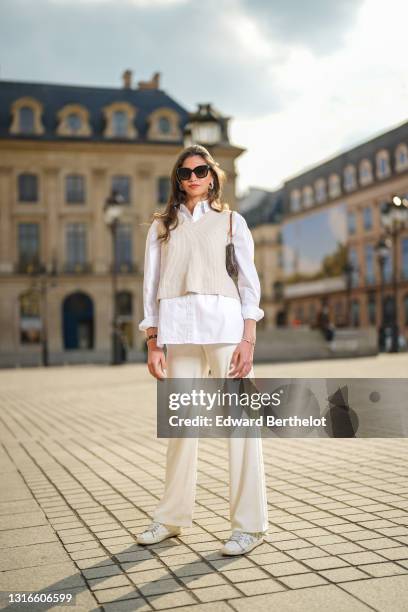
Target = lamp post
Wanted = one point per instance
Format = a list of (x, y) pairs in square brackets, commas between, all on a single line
[(382, 250), (113, 211), (348, 270), (43, 279), (394, 218)]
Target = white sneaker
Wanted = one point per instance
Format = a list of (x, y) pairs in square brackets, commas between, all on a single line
[(156, 533), (241, 543)]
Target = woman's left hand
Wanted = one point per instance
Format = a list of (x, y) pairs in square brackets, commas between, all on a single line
[(242, 360)]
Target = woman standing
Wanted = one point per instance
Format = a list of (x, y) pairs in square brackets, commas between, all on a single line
[(194, 307)]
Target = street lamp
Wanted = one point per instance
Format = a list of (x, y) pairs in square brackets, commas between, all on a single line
[(113, 211), (348, 270), (43, 279), (382, 250), (394, 218), (204, 126)]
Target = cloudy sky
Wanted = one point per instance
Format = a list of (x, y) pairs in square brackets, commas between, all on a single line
[(301, 80)]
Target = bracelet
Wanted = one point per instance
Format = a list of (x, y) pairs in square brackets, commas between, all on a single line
[(250, 341)]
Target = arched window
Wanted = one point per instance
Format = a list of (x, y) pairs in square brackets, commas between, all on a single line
[(164, 124), (73, 121), (295, 200), (307, 196), (350, 182), (120, 117), (26, 117), (120, 122), (401, 157), (334, 186), (27, 120), (383, 164), (320, 190), (366, 172)]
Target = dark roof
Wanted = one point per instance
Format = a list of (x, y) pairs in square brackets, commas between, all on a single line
[(55, 97), (388, 140), (268, 210)]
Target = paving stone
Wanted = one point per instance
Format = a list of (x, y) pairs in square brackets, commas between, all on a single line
[(399, 552), (377, 543), (241, 575), (328, 562), (308, 553), (259, 587), (113, 595), (25, 536), (361, 558), (285, 569), (109, 582), (128, 605), (141, 566), (159, 586), (52, 577), (173, 600), (229, 563), (388, 594), (384, 569), (192, 569), (216, 593), (343, 574), (102, 571), (313, 599), (31, 556), (300, 581), (205, 580)]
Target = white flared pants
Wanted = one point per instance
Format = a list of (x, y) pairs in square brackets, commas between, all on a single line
[(248, 502)]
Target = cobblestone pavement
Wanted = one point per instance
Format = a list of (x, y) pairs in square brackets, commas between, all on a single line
[(82, 470)]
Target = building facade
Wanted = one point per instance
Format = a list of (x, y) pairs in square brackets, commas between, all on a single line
[(327, 248), (63, 151)]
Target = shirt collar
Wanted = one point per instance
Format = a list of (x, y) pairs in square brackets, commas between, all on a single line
[(203, 204)]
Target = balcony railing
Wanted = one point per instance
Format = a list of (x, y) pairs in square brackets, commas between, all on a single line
[(124, 267), (29, 266), (77, 268)]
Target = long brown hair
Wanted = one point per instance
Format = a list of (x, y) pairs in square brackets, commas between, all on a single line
[(169, 217)]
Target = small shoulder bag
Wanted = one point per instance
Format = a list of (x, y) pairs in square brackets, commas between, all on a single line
[(230, 259)]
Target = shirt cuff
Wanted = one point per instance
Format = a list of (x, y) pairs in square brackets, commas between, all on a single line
[(149, 322), (252, 312)]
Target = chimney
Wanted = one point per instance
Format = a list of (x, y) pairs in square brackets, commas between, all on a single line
[(127, 79), (154, 82)]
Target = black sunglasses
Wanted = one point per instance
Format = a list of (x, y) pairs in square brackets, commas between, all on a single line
[(184, 174)]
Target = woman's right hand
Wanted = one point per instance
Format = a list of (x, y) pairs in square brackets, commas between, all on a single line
[(156, 360)]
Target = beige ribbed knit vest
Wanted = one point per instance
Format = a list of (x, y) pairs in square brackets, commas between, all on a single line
[(193, 260)]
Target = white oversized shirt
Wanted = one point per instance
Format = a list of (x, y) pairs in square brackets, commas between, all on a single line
[(197, 318)]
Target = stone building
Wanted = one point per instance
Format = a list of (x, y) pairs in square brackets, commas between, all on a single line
[(63, 150), (328, 236)]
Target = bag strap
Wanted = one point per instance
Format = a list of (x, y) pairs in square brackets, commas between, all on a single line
[(230, 227)]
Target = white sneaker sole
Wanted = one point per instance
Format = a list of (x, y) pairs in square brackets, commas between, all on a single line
[(242, 552), (157, 540)]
